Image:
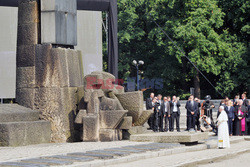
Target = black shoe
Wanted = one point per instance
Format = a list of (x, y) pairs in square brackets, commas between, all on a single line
[(178, 131), (165, 130), (186, 130)]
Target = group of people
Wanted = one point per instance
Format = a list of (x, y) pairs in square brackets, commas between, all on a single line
[(165, 110), (199, 114), (238, 111)]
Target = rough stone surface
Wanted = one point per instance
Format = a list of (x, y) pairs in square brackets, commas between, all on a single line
[(28, 12), (108, 104), (25, 97), (91, 128), (143, 118), (110, 134), (126, 123), (27, 34), (25, 77), (80, 115), (24, 133), (17, 113), (58, 105), (133, 102), (25, 56), (183, 137), (51, 67), (75, 78), (110, 119)]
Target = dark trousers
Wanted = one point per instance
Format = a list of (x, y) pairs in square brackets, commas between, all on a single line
[(151, 121), (175, 116), (230, 125), (191, 121), (198, 122), (160, 122), (156, 122), (167, 119)]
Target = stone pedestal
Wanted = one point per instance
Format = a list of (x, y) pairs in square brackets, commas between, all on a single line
[(49, 79)]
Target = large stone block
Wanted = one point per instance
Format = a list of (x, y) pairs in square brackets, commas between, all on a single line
[(91, 128), (25, 56), (25, 97), (24, 133), (51, 67), (58, 24), (143, 118), (133, 102), (27, 34), (93, 105), (75, 78), (80, 115), (126, 123), (61, 69), (175, 137), (110, 119), (28, 12), (59, 106), (25, 77), (108, 104), (17, 113), (59, 5)]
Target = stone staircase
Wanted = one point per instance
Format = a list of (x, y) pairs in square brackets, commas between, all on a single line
[(21, 126)]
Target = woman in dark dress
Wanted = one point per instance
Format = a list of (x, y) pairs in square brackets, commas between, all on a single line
[(240, 119)]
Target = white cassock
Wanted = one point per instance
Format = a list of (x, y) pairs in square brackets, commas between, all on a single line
[(223, 134)]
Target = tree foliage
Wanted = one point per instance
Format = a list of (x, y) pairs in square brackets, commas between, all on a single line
[(213, 34)]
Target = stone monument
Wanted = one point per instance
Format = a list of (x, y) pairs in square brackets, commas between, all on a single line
[(49, 70), (50, 78), (107, 110)]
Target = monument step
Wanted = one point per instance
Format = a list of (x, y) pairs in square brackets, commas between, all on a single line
[(170, 137), (24, 133), (17, 113)]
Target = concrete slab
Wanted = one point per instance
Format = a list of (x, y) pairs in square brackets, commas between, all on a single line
[(106, 152), (21, 164), (92, 155), (170, 137), (130, 150), (48, 161), (70, 158)]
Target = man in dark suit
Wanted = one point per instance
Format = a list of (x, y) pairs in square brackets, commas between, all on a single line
[(230, 113), (157, 114), (166, 111), (149, 106), (192, 111), (175, 113), (244, 99), (198, 114)]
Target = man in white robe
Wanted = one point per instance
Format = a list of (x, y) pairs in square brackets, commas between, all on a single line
[(223, 134)]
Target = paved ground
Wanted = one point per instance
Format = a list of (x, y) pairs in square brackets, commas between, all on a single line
[(238, 161), (32, 151), (192, 157)]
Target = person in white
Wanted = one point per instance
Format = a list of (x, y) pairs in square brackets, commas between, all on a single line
[(223, 134)]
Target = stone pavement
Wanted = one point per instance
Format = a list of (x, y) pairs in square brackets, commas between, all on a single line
[(192, 159), (115, 153)]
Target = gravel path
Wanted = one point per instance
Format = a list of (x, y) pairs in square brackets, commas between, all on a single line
[(33, 151)]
